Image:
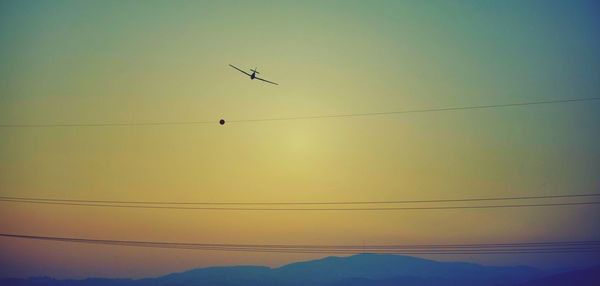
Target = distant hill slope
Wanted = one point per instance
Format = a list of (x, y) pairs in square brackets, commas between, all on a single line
[(362, 269), (378, 266), (585, 277)]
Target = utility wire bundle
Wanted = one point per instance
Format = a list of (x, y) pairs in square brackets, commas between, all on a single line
[(390, 205), (481, 248)]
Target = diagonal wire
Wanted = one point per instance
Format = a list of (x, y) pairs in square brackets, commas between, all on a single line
[(488, 106), (171, 123)]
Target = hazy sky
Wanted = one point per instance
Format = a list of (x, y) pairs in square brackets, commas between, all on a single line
[(132, 61)]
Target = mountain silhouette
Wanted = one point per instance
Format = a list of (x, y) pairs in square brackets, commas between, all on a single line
[(378, 266), (585, 277), (356, 270)]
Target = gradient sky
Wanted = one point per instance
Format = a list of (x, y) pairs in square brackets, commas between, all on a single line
[(130, 61)]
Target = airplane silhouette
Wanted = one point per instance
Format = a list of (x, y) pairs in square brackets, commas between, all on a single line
[(253, 75)]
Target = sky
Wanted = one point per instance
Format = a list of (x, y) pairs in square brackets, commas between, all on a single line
[(156, 61)]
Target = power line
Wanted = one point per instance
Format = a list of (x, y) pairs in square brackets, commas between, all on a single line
[(502, 248), (335, 246), (307, 209), (107, 124), (171, 123), (422, 110), (472, 199)]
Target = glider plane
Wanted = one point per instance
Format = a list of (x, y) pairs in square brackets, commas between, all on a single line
[(253, 74)]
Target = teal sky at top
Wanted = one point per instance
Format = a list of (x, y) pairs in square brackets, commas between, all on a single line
[(463, 50)]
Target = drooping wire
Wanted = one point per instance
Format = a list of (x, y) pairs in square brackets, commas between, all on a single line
[(311, 209), (469, 199)]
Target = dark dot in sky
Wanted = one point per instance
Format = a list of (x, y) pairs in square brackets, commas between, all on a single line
[(222, 121)]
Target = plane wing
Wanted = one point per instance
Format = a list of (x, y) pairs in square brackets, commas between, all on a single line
[(266, 80), (239, 69)]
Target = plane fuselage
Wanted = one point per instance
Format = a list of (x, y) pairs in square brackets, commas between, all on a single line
[(253, 75)]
